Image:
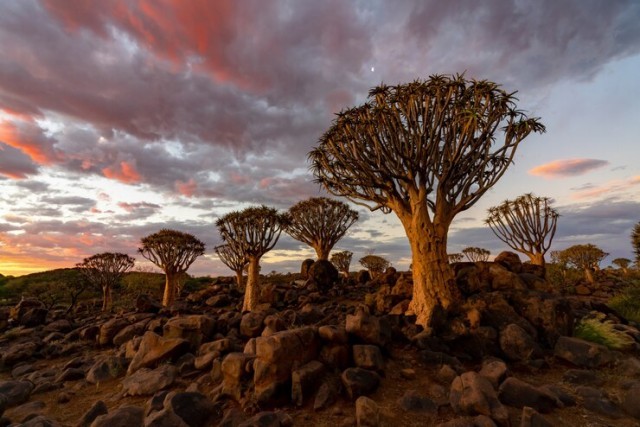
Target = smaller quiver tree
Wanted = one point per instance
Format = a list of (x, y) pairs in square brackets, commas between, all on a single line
[(474, 254), (375, 264), (622, 263), (320, 223), (253, 232), (105, 271), (526, 224), (173, 252), (455, 257), (232, 259), (586, 257), (342, 261)]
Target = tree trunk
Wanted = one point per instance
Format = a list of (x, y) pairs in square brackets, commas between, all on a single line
[(239, 279), (169, 296), (588, 275), (322, 252), (537, 259), (106, 298), (252, 292)]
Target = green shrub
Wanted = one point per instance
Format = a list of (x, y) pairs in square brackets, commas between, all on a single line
[(627, 302), (600, 331)]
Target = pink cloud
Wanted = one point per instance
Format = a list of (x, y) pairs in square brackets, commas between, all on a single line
[(567, 167), (188, 188), (125, 173), (608, 188), (29, 138)]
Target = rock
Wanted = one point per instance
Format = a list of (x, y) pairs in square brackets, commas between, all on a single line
[(304, 268), (17, 312), (368, 328), (495, 370), (359, 382), (477, 421), (222, 300), (97, 409), (510, 260), (368, 357), (147, 304), (503, 279), (550, 315), (252, 324), (333, 334), (15, 392), (28, 410), (335, 356), (21, 370), (109, 330), (125, 416), (304, 381), (268, 419), (195, 329), (631, 400), (106, 369), (582, 377), (60, 325), (164, 418), (70, 374), (128, 332), (531, 418), (597, 401), (517, 393), (154, 349), (472, 394), (562, 397), (323, 273), (235, 374), (39, 421), (518, 345), (147, 382), (195, 409), (367, 412), (277, 355), (156, 403), (412, 401), (308, 314), (326, 395), (582, 353)]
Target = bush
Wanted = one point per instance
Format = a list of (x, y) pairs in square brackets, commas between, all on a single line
[(627, 303), (600, 331)]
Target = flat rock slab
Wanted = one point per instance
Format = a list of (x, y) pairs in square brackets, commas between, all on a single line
[(147, 382)]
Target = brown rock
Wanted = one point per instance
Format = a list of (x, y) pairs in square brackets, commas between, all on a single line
[(367, 412), (582, 353), (472, 394), (126, 416), (196, 329), (304, 381), (147, 382), (154, 349)]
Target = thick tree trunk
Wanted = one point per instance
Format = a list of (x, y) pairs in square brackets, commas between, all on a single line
[(322, 252), (252, 292), (106, 298), (588, 275), (169, 296), (239, 279), (537, 259)]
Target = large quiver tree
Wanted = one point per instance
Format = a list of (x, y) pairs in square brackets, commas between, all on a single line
[(173, 252), (320, 223), (427, 151), (105, 271), (232, 259), (527, 224), (253, 232)]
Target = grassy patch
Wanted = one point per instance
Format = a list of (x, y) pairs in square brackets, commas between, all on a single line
[(600, 331), (627, 303)]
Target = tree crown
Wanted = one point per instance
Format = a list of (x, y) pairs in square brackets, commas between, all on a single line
[(235, 261), (582, 256), (105, 269), (171, 250), (374, 263), (474, 254), (342, 260)]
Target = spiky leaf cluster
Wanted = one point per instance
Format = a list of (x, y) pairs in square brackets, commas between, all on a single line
[(527, 224), (441, 142), (171, 250), (342, 261), (320, 222), (474, 254), (253, 231), (105, 269)]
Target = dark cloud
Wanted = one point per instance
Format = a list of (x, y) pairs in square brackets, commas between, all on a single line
[(15, 164)]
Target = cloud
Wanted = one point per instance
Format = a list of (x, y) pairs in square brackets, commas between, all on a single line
[(15, 164), (609, 188), (125, 172), (567, 167)]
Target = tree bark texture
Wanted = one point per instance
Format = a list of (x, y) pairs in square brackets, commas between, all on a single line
[(536, 258), (106, 298), (252, 292), (239, 279), (169, 296), (322, 252)]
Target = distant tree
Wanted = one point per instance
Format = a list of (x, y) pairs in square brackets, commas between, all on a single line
[(427, 151), (527, 224), (455, 257), (342, 261), (105, 270), (586, 257), (173, 252), (622, 263), (235, 261), (74, 287), (320, 223), (253, 232), (474, 254), (635, 242), (375, 264)]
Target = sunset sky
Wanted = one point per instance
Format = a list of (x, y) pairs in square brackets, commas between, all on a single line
[(119, 118)]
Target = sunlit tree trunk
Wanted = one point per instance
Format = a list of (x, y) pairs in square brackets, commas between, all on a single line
[(106, 298), (169, 289), (537, 259), (588, 275), (322, 252), (252, 292), (239, 279)]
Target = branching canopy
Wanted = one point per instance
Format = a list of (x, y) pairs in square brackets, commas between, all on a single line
[(375, 264), (456, 257), (171, 250), (527, 224), (342, 260), (583, 256), (474, 254), (105, 269), (622, 262), (235, 261), (320, 223), (433, 142), (253, 231)]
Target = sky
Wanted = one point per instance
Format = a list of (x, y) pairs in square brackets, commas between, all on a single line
[(119, 118)]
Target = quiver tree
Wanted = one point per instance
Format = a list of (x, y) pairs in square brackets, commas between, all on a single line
[(104, 271), (235, 261), (456, 257), (173, 252), (427, 151), (635, 242), (375, 264), (253, 232), (320, 223), (622, 263), (342, 261), (474, 254), (526, 224), (586, 257)]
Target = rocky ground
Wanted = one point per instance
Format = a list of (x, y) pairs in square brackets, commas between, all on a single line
[(323, 354)]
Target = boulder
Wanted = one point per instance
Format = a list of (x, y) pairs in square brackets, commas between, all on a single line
[(97, 409), (18, 353), (15, 392), (368, 357), (412, 401), (333, 334), (582, 353), (105, 369), (631, 400), (550, 315), (196, 329), (304, 381), (304, 268), (595, 400), (22, 307), (252, 324), (235, 374), (129, 332), (125, 416), (495, 370), (510, 260), (147, 382), (517, 393), (472, 394), (164, 418), (359, 382), (531, 418), (268, 419), (109, 330), (33, 317), (518, 345), (147, 304), (323, 273), (195, 409), (154, 349), (367, 412), (368, 328)]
